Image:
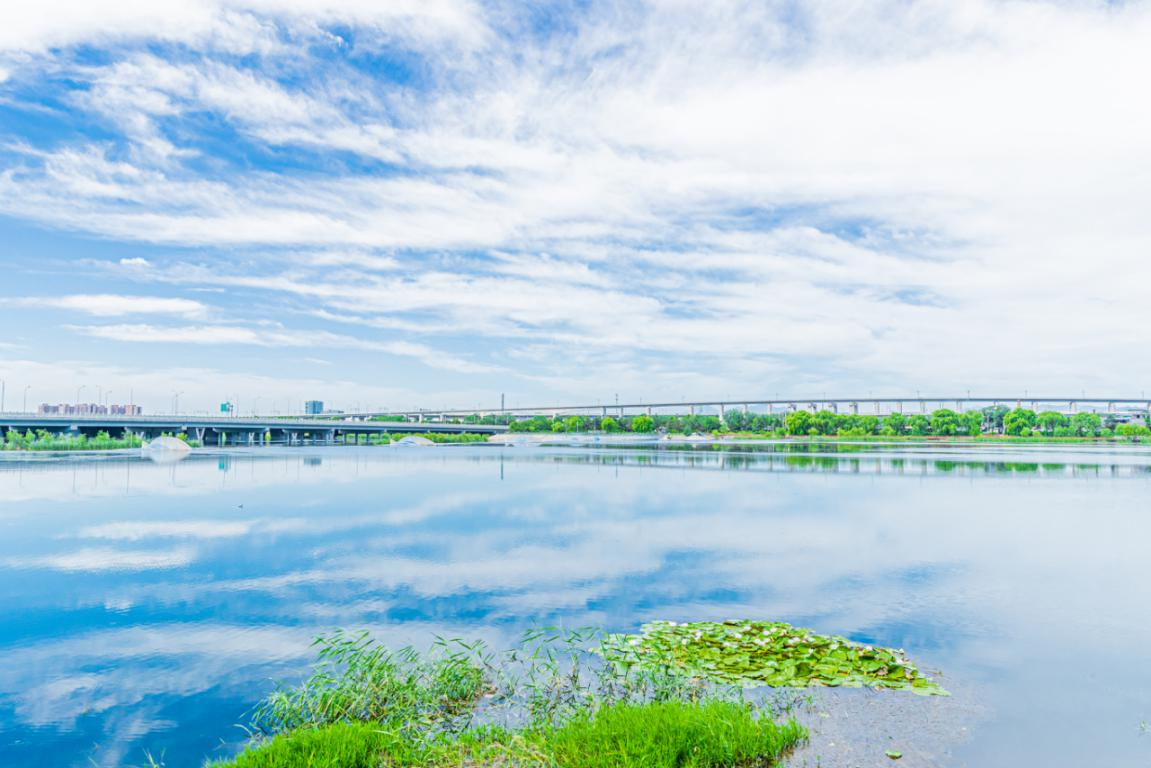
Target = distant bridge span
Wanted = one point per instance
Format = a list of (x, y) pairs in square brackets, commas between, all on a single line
[(876, 405), (235, 430)]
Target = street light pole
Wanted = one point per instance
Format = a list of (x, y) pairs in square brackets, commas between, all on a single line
[(25, 408), (79, 390)]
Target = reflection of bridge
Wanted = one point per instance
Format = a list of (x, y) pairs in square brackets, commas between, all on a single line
[(233, 431), (856, 405)]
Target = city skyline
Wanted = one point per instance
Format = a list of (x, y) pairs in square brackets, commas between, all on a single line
[(384, 206)]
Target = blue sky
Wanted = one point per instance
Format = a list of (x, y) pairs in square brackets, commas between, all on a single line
[(430, 203)]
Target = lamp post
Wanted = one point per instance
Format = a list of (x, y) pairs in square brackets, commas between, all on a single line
[(176, 402), (25, 408), (79, 390)]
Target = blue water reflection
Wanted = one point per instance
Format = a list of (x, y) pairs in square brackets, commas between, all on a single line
[(147, 607)]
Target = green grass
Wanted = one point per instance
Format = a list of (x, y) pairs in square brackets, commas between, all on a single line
[(452, 437), (672, 734), (343, 745), (714, 734), (357, 680), (550, 702), (45, 441)]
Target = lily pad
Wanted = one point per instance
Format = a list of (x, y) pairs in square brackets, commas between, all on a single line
[(755, 653)]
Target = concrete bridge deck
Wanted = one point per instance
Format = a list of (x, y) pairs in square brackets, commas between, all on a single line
[(234, 430), (860, 405)]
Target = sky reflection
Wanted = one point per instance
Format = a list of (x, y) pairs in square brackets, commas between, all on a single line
[(147, 607)]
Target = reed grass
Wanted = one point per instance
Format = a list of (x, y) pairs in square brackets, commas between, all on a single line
[(550, 702)]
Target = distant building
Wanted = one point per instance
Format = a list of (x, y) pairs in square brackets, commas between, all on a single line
[(314, 407), (88, 409)]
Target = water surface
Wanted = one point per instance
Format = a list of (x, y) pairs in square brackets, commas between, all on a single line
[(145, 608)]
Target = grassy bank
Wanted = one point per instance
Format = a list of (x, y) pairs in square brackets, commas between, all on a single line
[(658, 735), (46, 441), (549, 702), (447, 437)]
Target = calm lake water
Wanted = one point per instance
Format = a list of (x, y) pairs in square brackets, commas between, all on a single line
[(147, 607)]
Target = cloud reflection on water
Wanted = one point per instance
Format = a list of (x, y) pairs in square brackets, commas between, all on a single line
[(204, 601)]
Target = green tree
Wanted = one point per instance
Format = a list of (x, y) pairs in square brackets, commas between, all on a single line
[(896, 422), (1049, 421), (945, 422), (1087, 424), (1019, 421), (825, 422), (574, 424), (643, 423), (993, 418), (1132, 429), (919, 425), (973, 423), (737, 420), (609, 424), (798, 422)]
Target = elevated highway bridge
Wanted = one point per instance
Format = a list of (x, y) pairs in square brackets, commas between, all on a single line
[(858, 405), (211, 430)]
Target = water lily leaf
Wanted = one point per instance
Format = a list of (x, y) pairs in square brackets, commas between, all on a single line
[(753, 653)]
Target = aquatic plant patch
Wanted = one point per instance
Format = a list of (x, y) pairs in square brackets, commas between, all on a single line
[(754, 653)]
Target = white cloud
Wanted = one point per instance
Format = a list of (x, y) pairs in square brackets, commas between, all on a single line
[(96, 559), (231, 25), (232, 334), (111, 305), (143, 529), (740, 195)]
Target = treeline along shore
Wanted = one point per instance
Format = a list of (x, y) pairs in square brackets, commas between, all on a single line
[(991, 422)]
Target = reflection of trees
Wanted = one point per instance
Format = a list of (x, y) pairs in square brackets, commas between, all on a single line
[(815, 457)]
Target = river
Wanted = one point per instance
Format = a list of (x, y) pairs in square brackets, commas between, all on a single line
[(144, 608)]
